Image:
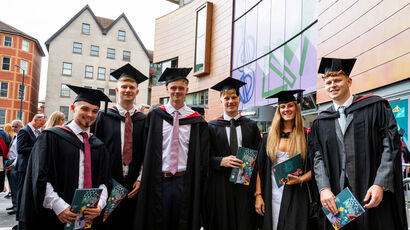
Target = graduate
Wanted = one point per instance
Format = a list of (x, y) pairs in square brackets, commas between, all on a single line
[(175, 163), (63, 159), (230, 206), (122, 131), (285, 207), (356, 145)]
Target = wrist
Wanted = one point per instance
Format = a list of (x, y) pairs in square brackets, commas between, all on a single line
[(256, 194)]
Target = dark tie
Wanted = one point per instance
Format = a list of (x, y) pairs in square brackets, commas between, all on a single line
[(87, 162), (233, 139), (173, 159), (127, 150)]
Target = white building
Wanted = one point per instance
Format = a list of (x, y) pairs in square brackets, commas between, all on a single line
[(84, 52)]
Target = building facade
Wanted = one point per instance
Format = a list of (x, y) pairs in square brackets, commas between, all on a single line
[(85, 51), (18, 48)]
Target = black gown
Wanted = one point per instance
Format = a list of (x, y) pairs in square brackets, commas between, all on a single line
[(294, 208), (55, 159), (224, 199), (149, 206), (108, 129), (373, 120)]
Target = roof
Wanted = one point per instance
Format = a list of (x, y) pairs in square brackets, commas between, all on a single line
[(104, 25), (5, 28)]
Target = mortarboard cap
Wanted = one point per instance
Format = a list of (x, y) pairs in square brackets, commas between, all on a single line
[(336, 64), (128, 70), (92, 96), (173, 74), (229, 83), (286, 96), (198, 108)]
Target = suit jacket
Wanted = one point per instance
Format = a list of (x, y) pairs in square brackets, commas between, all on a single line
[(25, 142)]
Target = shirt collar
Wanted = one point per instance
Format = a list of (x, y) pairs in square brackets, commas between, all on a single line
[(228, 118), (77, 129), (184, 110), (122, 111), (347, 103), (32, 129)]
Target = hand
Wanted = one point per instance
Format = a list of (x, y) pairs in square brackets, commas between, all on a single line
[(135, 189), (231, 162), (10, 167), (376, 192), (294, 180), (328, 201), (67, 216), (92, 212), (259, 205)]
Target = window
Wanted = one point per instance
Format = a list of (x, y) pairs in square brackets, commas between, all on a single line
[(126, 55), (111, 77), (64, 110), (4, 89), (25, 45), (202, 39), (65, 91), (173, 63), (5, 63), (101, 73), (67, 67), (2, 116), (197, 98), (110, 53), (22, 92), (100, 89), (18, 115), (23, 66), (77, 48), (164, 100), (7, 41), (89, 70), (95, 50), (121, 35), (86, 28), (111, 92)]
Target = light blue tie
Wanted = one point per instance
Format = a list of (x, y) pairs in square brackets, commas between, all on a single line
[(342, 119)]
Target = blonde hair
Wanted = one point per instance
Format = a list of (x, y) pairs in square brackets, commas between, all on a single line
[(8, 129), (228, 91), (297, 142), (54, 119), (334, 74)]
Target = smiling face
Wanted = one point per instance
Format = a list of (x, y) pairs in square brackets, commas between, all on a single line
[(230, 101), (85, 114), (287, 111), (177, 91), (338, 88), (127, 89)]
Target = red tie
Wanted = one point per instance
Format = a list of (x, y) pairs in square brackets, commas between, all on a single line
[(87, 162), (127, 150)]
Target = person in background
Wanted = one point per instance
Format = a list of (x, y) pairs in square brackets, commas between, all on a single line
[(5, 140), (56, 118), (9, 130), (144, 108)]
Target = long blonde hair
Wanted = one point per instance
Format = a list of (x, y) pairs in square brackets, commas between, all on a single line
[(297, 142), (8, 129), (54, 119)]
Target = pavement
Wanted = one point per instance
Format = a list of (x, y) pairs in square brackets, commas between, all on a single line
[(6, 221)]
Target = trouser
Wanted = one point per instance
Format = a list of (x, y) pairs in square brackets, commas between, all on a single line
[(172, 194), (20, 176), (13, 182)]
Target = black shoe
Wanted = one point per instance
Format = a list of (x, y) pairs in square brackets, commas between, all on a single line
[(10, 208), (11, 212), (8, 195), (15, 227)]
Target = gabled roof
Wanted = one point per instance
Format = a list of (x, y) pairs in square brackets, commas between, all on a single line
[(104, 24), (5, 28)]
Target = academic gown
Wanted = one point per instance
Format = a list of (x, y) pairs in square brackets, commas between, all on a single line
[(221, 208), (294, 208), (149, 206), (55, 159), (373, 121), (108, 130)]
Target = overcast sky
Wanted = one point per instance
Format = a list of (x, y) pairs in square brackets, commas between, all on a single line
[(42, 18)]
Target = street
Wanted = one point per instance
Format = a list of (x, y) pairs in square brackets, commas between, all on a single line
[(6, 221)]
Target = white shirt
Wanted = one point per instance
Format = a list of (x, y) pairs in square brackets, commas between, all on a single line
[(346, 104), (122, 112), (238, 129), (184, 133), (13, 150), (51, 198), (33, 129)]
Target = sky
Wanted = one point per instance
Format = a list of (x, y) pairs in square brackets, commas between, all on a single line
[(42, 18)]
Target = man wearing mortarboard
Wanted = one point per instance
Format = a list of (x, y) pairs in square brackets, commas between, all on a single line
[(356, 145), (230, 206), (175, 162), (121, 129), (63, 159)]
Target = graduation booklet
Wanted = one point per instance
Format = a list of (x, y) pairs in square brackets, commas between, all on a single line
[(349, 209), (118, 192), (83, 198), (243, 175), (292, 166)]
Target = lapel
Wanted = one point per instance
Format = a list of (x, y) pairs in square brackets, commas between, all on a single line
[(349, 120), (32, 135)]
